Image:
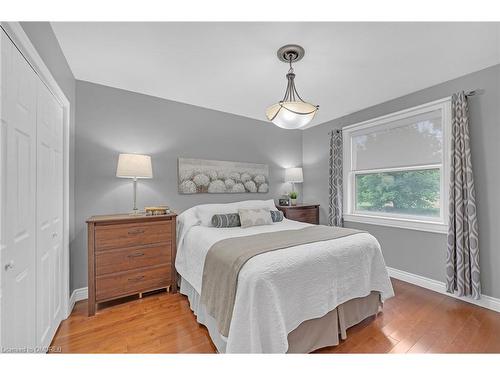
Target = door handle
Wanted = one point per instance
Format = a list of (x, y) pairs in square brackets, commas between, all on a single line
[(9, 265)]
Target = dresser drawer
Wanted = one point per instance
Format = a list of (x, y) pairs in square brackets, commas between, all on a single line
[(308, 215), (132, 258), (126, 283), (125, 235)]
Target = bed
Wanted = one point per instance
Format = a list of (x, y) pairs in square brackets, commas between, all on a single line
[(294, 299)]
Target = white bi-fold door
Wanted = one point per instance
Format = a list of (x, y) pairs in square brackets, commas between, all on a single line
[(49, 211), (31, 202), (18, 152)]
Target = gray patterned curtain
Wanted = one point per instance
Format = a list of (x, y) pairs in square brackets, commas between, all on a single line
[(335, 179), (462, 260)]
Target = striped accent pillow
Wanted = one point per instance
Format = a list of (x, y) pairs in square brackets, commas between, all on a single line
[(226, 220), (277, 216)]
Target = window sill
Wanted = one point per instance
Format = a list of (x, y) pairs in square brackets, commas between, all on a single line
[(425, 226)]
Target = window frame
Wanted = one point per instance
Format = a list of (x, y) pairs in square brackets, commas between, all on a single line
[(423, 223)]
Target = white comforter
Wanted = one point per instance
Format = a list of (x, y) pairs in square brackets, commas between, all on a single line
[(279, 290)]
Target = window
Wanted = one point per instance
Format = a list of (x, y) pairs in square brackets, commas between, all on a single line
[(396, 168)]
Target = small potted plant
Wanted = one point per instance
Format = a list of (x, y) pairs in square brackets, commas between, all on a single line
[(293, 198)]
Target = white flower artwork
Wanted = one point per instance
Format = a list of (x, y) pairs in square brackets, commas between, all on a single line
[(214, 176)]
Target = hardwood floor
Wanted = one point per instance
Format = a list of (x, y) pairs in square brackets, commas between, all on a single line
[(417, 320)]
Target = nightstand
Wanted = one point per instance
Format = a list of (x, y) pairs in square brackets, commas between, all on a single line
[(307, 213)]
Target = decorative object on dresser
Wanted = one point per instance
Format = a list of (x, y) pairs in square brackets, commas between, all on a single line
[(215, 176), (130, 255), (307, 213), (293, 176), (156, 210), (134, 166), (284, 201)]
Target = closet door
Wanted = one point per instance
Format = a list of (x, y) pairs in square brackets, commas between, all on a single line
[(49, 215), (18, 163)]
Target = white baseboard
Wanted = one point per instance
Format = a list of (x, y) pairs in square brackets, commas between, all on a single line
[(77, 295), (440, 287), (487, 302)]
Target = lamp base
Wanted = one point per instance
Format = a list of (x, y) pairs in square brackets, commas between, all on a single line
[(135, 210)]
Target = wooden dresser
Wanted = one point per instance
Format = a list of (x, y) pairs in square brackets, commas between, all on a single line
[(307, 213), (130, 255)]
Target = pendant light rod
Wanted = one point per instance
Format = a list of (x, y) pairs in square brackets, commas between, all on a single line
[(291, 93)]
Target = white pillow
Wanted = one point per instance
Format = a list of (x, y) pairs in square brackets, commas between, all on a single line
[(250, 217), (205, 212)]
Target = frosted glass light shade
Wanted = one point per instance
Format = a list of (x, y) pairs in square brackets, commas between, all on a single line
[(134, 166), (291, 115), (294, 175)]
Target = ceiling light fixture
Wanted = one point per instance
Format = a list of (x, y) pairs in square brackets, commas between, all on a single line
[(292, 112)]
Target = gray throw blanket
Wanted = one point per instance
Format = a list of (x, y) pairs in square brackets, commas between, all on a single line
[(226, 257)]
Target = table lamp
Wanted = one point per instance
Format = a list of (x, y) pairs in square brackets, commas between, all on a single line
[(134, 166), (294, 175)]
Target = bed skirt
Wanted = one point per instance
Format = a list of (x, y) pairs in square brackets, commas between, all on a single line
[(309, 335)]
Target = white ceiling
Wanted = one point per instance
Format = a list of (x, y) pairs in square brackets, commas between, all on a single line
[(232, 67)]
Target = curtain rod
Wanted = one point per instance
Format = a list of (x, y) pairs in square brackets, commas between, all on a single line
[(474, 92), (467, 93)]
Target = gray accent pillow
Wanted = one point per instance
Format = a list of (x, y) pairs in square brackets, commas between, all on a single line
[(277, 216), (254, 216), (226, 220)]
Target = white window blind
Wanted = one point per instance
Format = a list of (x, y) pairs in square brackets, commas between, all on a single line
[(396, 168), (417, 140)]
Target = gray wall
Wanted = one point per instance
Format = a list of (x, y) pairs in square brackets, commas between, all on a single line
[(45, 42), (424, 253), (111, 121)]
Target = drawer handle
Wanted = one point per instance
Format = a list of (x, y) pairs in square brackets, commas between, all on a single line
[(136, 255), (136, 278), (136, 231)]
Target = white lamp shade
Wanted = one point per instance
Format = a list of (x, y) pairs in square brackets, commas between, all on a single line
[(291, 115), (294, 175), (134, 166)]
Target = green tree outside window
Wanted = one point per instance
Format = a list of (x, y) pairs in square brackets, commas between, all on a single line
[(414, 192)]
